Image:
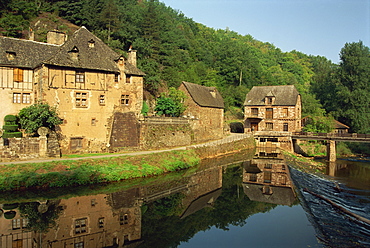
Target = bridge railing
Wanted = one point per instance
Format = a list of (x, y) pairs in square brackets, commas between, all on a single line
[(339, 135)]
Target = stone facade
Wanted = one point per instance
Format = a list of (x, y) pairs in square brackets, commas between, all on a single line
[(28, 148), (205, 107), (273, 108), (86, 80)]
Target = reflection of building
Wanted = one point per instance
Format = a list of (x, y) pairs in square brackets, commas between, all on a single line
[(266, 179), (92, 221), (204, 188), (105, 220), (13, 232)]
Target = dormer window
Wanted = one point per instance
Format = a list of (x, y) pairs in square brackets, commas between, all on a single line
[(213, 93), (74, 53), (270, 98), (91, 43), (10, 55)]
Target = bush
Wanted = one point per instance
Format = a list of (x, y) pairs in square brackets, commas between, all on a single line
[(236, 127), (7, 135), (10, 118), (10, 128), (38, 115)]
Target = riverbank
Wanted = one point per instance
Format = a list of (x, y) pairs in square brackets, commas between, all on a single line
[(306, 164), (115, 167)]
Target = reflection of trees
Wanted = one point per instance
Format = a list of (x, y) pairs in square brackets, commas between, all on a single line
[(231, 208), (40, 217)]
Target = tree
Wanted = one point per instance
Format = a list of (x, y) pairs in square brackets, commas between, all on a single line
[(353, 88), (38, 115), (171, 104)]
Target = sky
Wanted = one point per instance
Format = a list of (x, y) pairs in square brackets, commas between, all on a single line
[(314, 27)]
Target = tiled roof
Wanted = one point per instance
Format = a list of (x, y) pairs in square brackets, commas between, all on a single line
[(205, 96), (285, 95)]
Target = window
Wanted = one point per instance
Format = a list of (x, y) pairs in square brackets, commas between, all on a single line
[(267, 175), (125, 99), (285, 127), (79, 245), (17, 97), (80, 226), (128, 79), (101, 222), (269, 100), (254, 111), (285, 112), (26, 98), (76, 143), (116, 78), (93, 121), (123, 219), (17, 75), (80, 79), (81, 99), (102, 99), (268, 166), (267, 190), (269, 113), (269, 126), (253, 178), (93, 202), (22, 98)]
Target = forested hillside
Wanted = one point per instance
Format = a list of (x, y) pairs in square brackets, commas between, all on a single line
[(173, 48)]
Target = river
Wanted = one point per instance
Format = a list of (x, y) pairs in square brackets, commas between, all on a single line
[(241, 200)]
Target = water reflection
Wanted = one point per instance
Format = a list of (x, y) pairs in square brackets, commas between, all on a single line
[(165, 211), (266, 178)]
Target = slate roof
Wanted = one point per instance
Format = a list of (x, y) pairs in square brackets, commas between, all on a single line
[(202, 95), (280, 195), (285, 95), (99, 57), (28, 54)]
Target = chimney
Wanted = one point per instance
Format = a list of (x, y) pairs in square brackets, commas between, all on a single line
[(56, 37), (31, 34), (131, 56)]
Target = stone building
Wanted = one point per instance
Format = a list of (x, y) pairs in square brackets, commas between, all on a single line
[(89, 83), (205, 106), (273, 108)]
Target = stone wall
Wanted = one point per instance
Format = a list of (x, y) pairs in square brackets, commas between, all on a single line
[(231, 144), (27, 148), (165, 132)]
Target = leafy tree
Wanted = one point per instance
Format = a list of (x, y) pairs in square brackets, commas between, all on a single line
[(38, 115), (171, 104), (319, 124), (353, 88)]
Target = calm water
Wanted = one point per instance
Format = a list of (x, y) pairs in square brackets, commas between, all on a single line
[(243, 200)]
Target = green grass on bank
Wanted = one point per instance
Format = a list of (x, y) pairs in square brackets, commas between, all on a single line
[(91, 171)]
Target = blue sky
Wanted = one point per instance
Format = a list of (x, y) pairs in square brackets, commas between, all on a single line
[(317, 27)]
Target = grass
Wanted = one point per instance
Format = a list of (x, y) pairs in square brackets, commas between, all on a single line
[(91, 171)]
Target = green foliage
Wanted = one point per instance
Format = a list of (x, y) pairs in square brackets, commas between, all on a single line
[(38, 115), (11, 127), (38, 221), (173, 48), (171, 104), (10, 119), (319, 124), (145, 109)]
